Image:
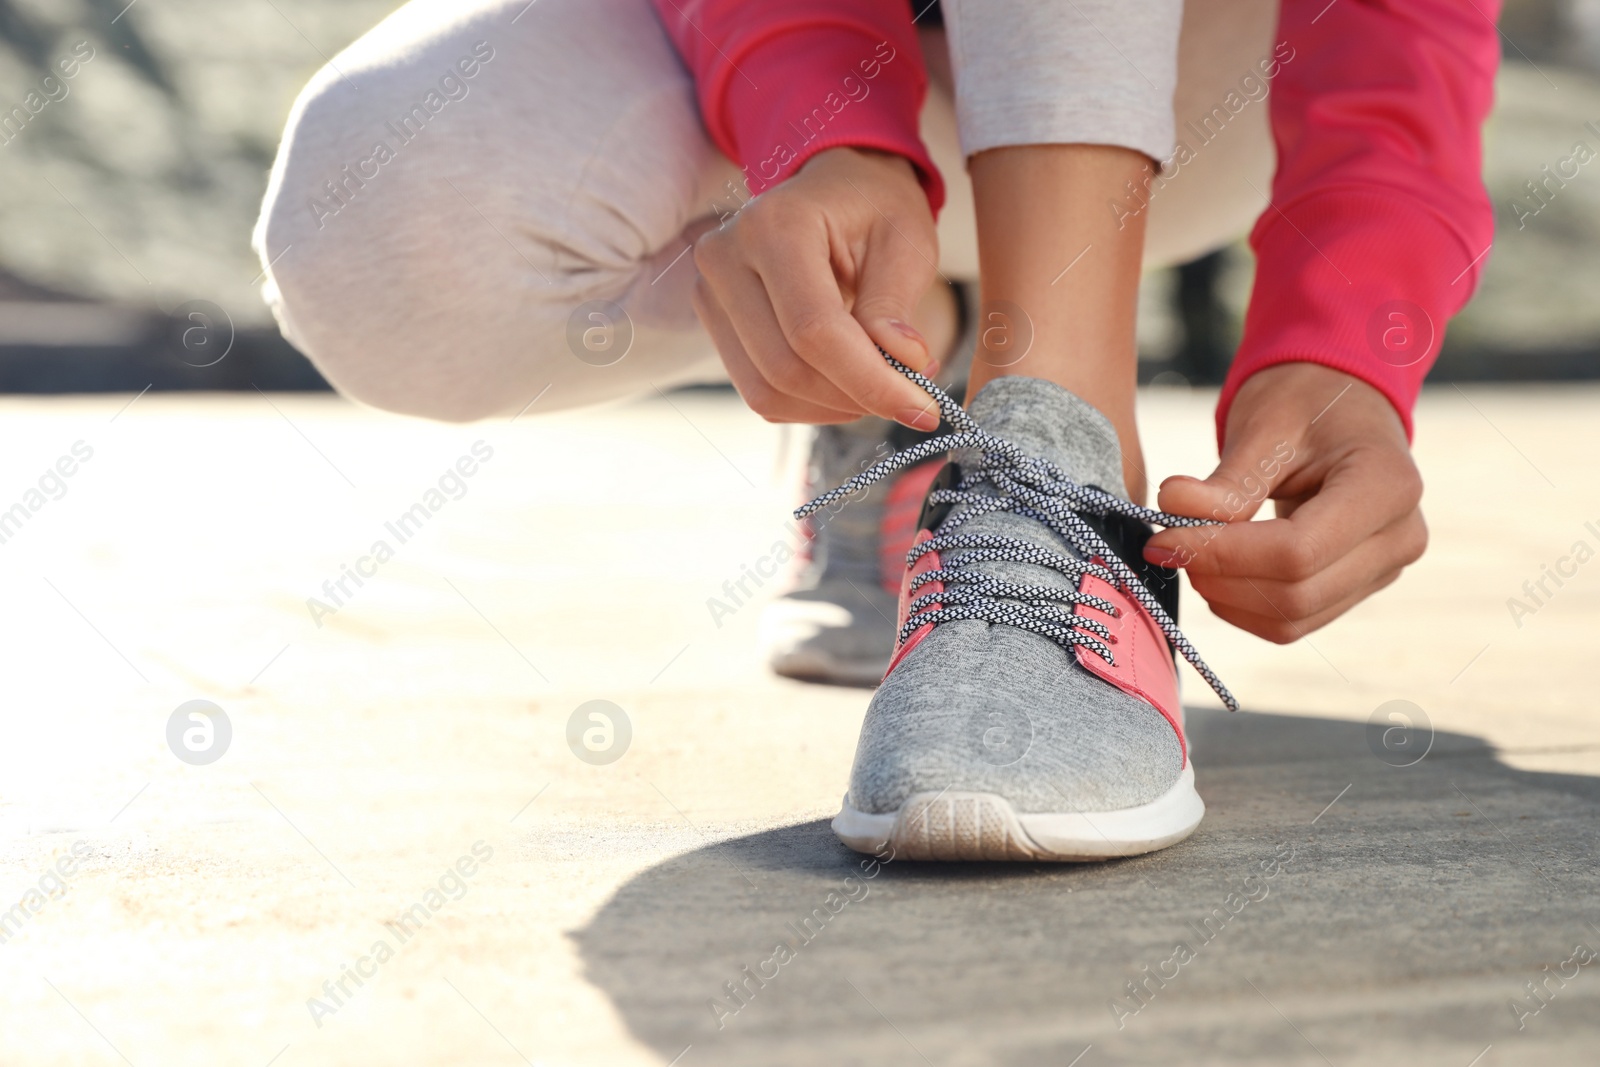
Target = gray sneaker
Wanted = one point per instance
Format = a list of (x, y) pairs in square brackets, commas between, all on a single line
[(837, 625), (1031, 707)]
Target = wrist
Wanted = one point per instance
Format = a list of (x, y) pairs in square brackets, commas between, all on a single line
[(1297, 401), (851, 159)]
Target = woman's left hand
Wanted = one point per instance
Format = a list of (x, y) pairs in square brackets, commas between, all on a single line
[(1332, 454)]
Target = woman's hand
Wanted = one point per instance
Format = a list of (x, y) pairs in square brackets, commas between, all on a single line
[(799, 286), (1331, 452)]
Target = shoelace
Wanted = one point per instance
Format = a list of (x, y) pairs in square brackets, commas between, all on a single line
[(1037, 489)]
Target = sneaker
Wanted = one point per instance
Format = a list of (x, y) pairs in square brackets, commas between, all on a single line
[(837, 625), (1031, 708)]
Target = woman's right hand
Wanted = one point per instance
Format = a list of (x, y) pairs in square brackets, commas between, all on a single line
[(799, 287)]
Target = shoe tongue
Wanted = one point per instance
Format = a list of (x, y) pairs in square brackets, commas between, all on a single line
[(1047, 421)]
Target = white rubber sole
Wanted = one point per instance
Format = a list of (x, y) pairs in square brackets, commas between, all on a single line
[(953, 825)]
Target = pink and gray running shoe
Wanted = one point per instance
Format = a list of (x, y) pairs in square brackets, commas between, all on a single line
[(1030, 710)]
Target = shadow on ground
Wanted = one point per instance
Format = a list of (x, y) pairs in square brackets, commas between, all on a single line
[(1410, 916)]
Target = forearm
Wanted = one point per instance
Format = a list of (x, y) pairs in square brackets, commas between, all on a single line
[(1060, 107), (1379, 224)]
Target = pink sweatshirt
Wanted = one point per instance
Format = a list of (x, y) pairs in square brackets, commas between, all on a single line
[(1379, 225)]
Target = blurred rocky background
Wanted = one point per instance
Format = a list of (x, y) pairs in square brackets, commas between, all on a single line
[(130, 188), (131, 197)]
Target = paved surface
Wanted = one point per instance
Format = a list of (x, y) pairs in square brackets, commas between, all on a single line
[(425, 720)]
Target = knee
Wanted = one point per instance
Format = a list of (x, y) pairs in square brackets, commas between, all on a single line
[(434, 276), (378, 273), (375, 345)]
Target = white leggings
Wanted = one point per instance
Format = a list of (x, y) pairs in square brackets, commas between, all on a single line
[(484, 200)]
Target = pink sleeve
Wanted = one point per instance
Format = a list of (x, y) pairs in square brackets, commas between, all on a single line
[(780, 80), (1379, 223)]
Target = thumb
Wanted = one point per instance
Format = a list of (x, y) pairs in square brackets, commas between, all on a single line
[(1252, 464), (895, 274)]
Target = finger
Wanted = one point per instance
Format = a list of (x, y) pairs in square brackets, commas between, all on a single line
[(1383, 554), (894, 275), (1363, 494), (1278, 628), (811, 312), (731, 292), (763, 343), (755, 390), (1250, 466)]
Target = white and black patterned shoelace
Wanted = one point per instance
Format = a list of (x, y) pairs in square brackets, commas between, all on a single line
[(1037, 489)]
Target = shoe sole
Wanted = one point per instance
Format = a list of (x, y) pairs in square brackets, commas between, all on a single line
[(828, 670), (951, 825)]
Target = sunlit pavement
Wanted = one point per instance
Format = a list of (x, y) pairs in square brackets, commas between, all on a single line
[(399, 772)]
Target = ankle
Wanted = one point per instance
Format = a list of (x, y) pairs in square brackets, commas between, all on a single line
[(1133, 476)]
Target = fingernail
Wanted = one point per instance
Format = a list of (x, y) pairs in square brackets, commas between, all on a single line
[(909, 330), (1163, 557), (918, 418), (931, 370)]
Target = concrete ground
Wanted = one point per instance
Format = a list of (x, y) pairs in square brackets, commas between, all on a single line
[(399, 769)]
